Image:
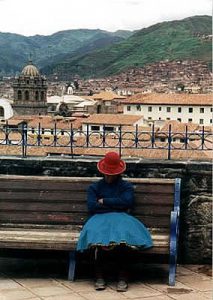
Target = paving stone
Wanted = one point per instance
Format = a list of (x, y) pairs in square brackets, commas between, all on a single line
[(65, 297), (208, 295), (6, 283), (191, 296), (184, 271), (161, 297), (80, 286), (104, 295), (140, 291), (16, 294), (50, 290), (37, 282), (197, 282), (165, 288)]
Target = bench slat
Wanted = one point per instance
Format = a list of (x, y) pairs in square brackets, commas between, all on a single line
[(80, 197), (52, 239)]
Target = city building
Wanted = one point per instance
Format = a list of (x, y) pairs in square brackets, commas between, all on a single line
[(30, 92), (111, 122), (186, 108)]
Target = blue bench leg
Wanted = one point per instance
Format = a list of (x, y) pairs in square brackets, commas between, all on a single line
[(172, 271), (72, 263), (173, 248)]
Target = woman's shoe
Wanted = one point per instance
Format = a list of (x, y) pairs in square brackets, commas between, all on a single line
[(122, 286), (100, 284)]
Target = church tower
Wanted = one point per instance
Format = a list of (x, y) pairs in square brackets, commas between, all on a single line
[(30, 92)]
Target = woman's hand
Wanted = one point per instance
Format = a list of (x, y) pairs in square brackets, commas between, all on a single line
[(101, 201)]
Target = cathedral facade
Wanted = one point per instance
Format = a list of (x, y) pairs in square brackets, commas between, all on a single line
[(30, 92)]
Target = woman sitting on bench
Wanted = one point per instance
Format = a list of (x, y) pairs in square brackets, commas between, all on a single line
[(110, 227)]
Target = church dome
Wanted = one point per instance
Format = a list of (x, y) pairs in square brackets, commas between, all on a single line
[(30, 70)]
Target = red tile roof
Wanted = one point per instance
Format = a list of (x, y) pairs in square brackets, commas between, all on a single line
[(170, 99)]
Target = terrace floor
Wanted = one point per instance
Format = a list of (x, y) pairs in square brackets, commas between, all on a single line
[(45, 279)]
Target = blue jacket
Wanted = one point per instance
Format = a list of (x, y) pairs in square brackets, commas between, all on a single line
[(117, 196)]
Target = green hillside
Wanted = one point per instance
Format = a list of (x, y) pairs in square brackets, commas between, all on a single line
[(15, 50), (168, 40)]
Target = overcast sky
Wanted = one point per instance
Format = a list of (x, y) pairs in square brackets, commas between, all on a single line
[(30, 17)]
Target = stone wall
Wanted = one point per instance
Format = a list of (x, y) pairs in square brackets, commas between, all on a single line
[(196, 191)]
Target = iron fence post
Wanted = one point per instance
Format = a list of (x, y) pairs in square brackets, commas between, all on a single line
[(136, 136), (87, 136), (186, 138), (104, 136), (153, 136), (71, 139), (120, 140), (203, 137), (24, 140), (55, 134), (169, 142)]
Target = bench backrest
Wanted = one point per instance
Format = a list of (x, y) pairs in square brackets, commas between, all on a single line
[(61, 201)]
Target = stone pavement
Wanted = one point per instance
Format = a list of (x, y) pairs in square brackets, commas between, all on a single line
[(45, 279)]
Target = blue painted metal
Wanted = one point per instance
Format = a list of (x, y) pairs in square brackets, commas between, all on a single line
[(174, 233), (137, 140), (177, 194), (173, 247), (72, 263)]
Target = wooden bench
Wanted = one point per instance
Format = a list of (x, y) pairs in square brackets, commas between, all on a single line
[(48, 213)]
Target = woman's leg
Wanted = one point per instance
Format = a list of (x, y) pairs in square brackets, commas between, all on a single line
[(122, 263), (100, 283)]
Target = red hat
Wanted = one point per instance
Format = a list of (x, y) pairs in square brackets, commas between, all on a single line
[(111, 164)]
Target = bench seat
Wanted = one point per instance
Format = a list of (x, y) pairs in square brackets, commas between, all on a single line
[(61, 239)]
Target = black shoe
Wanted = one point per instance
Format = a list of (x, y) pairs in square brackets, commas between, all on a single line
[(100, 284), (122, 286)]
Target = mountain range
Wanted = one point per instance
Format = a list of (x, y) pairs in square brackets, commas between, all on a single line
[(98, 53)]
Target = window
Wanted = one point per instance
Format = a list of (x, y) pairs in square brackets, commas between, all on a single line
[(162, 139), (149, 118), (210, 121), (128, 108), (179, 109), (168, 109), (159, 118), (33, 130), (149, 108), (1, 112), (182, 140), (160, 108), (19, 95), (202, 110), (179, 119), (190, 120), (95, 128), (168, 119), (190, 110), (138, 107), (27, 95), (36, 95), (42, 131), (201, 121), (109, 128), (62, 132), (211, 109), (174, 139), (42, 96)]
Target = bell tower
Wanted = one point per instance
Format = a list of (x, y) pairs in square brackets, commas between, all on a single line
[(30, 92)]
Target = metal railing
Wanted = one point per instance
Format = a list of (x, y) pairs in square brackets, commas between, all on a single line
[(121, 139)]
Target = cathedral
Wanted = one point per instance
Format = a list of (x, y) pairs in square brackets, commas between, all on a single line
[(30, 92)]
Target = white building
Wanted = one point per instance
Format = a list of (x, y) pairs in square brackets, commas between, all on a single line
[(111, 122), (186, 108), (6, 110)]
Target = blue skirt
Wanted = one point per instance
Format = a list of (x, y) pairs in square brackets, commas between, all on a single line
[(114, 229)]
